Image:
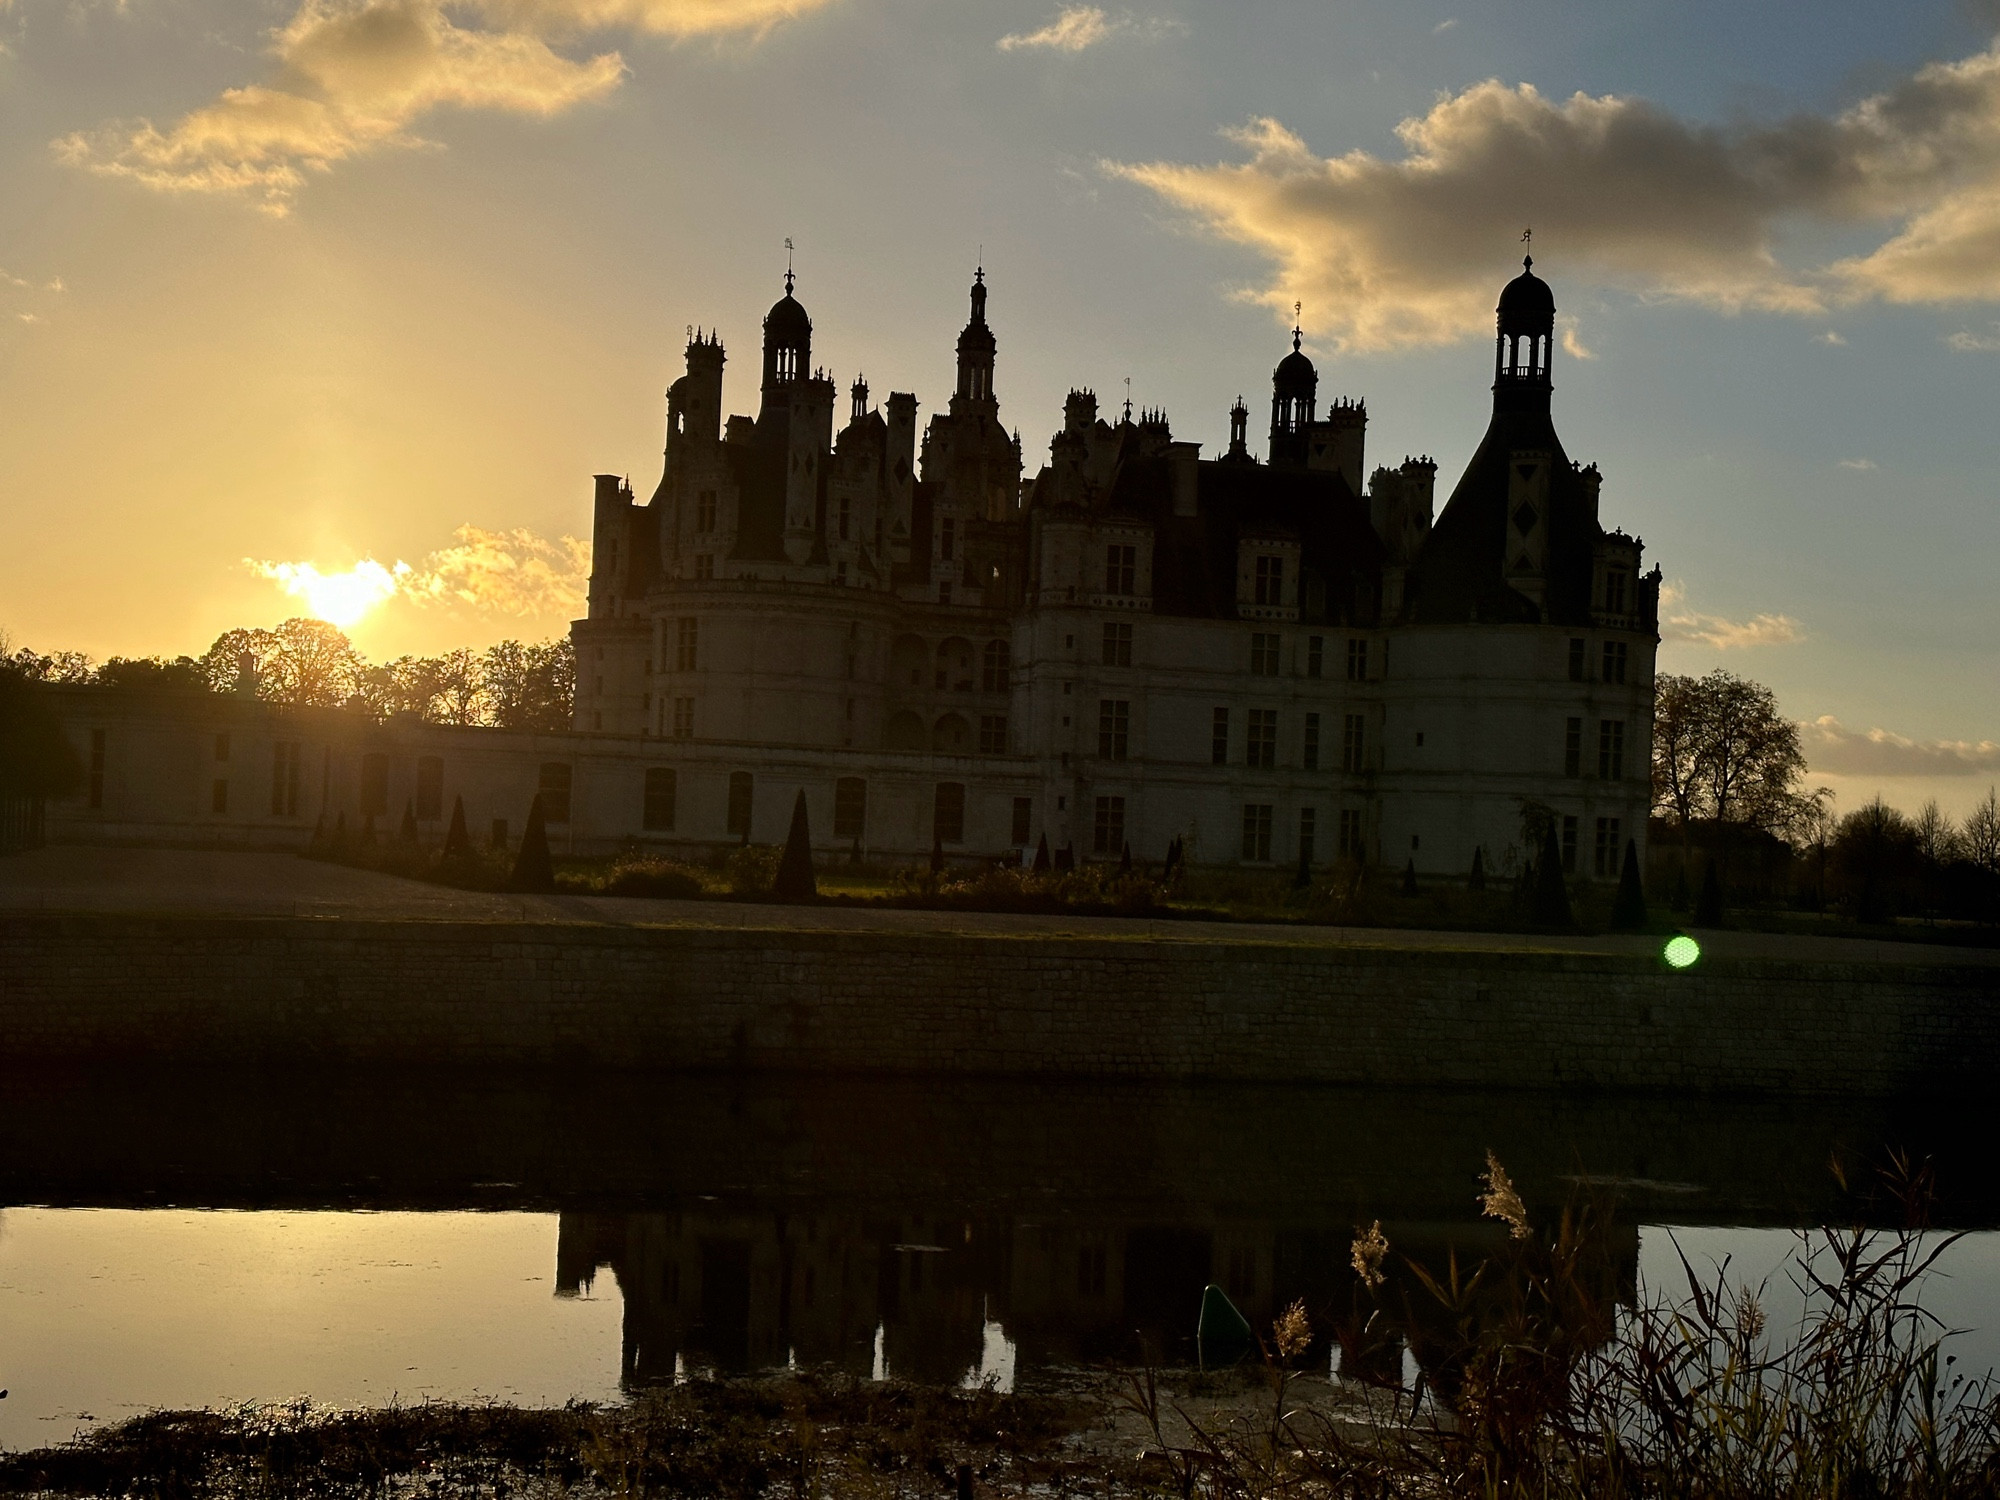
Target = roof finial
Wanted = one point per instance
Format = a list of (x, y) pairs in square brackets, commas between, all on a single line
[(1528, 239), (1298, 308), (788, 265), (1128, 398), (979, 273)]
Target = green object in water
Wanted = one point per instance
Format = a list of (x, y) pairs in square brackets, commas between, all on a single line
[(1223, 1332)]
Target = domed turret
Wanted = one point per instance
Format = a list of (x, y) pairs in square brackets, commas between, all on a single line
[(1526, 319), (1294, 398), (976, 350), (787, 340)]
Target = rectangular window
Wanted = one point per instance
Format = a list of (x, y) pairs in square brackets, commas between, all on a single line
[(555, 791), (992, 734), (687, 640), (374, 785), (1611, 750), (222, 746), (1614, 591), (662, 789), (850, 808), (1090, 1271), (742, 795), (430, 787), (1308, 831), (1218, 744), (1309, 750), (1569, 844), (1257, 832), (285, 779), (683, 718), (704, 567), (1350, 834), (1357, 661), (1260, 748), (218, 796), (1108, 828), (1117, 645), (1315, 655), (948, 812), (704, 511), (1263, 655), (996, 667), (1576, 658), (1024, 821), (948, 540), (1114, 721), (1573, 747), (944, 593), (1608, 848), (1121, 569), (1615, 656), (97, 737), (846, 515), (1270, 581), (1353, 742)]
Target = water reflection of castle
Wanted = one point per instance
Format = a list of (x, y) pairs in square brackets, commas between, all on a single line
[(741, 1286)]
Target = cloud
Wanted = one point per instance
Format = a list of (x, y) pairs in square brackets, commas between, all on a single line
[(1857, 463), (1975, 343), (1077, 27), (354, 75), (487, 572), (1832, 747), (1831, 339), (1678, 623), (1401, 250), (1572, 343), (1443, 26)]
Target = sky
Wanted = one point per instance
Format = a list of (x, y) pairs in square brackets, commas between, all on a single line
[(338, 304)]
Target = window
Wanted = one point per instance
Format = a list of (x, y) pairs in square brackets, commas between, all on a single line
[(1357, 661), (1257, 832), (1611, 749), (1218, 745), (1118, 645), (430, 787), (704, 511), (222, 746), (374, 785), (992, 734), (944, 592), (1607, 847), (1309, 751), (687, 640), (948, 539), (1108, 827), (1114, 720), (683, 718), (1090, 1271), (704, 568), (1270, 581), (1569, 844), (1614, 591), (1576, 659), (1615, 657), (846, 515), (1350, 834), (656, 813), (1263, 655), (1024, 820), (555, 791), (285, 779), (1121, 569), (218, 796), (742, 795), (1308, 830), (996, 667), (1353, 742), (1573, 747), (1315, 655), (97, 737), (948, 812), (1261, 743), (851, 807)]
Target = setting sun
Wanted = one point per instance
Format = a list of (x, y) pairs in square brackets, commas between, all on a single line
[(342, 599)]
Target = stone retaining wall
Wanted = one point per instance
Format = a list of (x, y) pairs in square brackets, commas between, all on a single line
[(481, 993)]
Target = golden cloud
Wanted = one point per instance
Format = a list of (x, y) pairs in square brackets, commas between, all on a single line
[(1077, 27), (512, 572), (1390, 252), (354, 75), (1832, 747), (1678, 623)]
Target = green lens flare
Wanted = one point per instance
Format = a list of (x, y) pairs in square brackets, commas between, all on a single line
[(1682, 952)]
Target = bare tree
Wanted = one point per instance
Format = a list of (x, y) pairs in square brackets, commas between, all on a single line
[(1722, 753), (1980, 835)]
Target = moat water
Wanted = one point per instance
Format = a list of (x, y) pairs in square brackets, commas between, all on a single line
[(206, 1240)]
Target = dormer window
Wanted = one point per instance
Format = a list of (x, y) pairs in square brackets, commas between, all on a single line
[(1270, 581), (1121, 569), (1614, 591), (704, 511)]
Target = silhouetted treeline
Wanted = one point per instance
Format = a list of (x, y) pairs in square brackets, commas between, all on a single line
[(311, 664)]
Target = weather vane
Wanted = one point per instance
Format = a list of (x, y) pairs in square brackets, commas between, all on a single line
[(788, 265), (1128, 398)]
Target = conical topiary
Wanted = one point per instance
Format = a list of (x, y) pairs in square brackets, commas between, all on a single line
[(854, 854), (795, 880), (367, 839), (1222, 1334), (408, 832), (337, 845), (533, 869), (1042, 856), (1551, 899), (1476, 881), (937, 854), (1708, 905), (457, 842), (1304, 875), (1125, 861), (316, 845), (1628, 911), (1410, 877), (1679, 900)]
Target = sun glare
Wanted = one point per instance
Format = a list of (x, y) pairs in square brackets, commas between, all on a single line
[(342, 599)]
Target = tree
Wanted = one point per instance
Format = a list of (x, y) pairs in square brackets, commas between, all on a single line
[(1980, 836), (36, 759), (303, 663), (1723, 754), (183, 672), (529, 687), (796, 881)]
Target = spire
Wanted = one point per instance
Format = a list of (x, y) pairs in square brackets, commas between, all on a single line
[(976, 349)]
